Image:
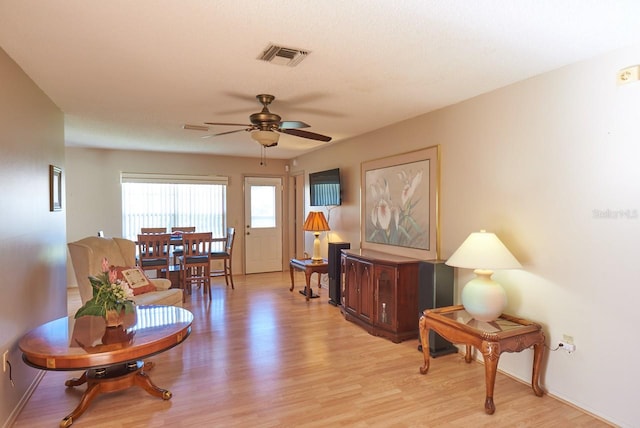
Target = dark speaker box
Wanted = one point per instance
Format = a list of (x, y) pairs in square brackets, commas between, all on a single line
[(335, 271), (435, 290)]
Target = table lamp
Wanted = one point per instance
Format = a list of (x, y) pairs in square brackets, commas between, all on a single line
[(316, 223), (482, 297)]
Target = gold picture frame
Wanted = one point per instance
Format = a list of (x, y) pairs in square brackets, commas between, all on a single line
[(55, 188), (400, 204)]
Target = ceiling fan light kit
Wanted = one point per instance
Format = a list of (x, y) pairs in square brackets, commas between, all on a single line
[(266, 138)]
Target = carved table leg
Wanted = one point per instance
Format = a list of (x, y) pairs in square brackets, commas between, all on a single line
[(491, 355), (92, 390), (424, 340), (291, 269), (467, 354), (538, 351), (111, 379), (143, 381), (77, 381)]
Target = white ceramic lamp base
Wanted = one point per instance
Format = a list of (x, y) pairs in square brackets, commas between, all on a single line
[(316, 248), (484, 298)]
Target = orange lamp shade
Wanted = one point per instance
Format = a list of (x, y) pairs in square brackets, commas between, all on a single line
[(315, 222)]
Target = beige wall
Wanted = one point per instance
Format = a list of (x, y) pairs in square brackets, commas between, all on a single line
[(532, 162), (93, 188), (32, 239)]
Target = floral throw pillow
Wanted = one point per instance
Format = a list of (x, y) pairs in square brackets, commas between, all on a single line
[(135, 277)]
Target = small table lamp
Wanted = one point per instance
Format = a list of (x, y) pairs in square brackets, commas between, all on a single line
[(316, 223), (482, 297)]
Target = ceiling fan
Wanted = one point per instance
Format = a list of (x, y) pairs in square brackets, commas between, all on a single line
[(265, 126)]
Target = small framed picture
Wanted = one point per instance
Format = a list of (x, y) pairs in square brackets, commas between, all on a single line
[(55, 188)]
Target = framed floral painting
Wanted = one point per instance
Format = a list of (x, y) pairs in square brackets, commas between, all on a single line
[(400, 204)]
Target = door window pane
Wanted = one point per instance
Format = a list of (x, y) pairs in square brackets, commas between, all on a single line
[(263, 207)]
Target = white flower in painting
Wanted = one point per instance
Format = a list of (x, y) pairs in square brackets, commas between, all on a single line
[(382, 211), (380, 190), (374, 191), (410, 185), (382, 214)]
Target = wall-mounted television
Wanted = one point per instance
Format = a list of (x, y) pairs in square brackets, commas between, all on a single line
[(324, 188)]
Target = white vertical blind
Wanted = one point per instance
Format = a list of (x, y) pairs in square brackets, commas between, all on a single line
[(326, 193), (150, 200)]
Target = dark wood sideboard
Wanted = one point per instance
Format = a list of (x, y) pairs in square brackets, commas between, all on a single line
[(380, 293)]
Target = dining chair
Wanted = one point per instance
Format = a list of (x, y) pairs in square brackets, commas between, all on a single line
[(195, 262), (225, 257), (153, 230), (154, 252), (177, 249)]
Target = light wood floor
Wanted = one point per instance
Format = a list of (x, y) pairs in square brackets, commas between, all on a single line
[(262, 356)]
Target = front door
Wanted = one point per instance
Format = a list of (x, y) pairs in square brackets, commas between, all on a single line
[(263, 224)]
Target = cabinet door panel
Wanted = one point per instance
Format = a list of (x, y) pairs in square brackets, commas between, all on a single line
[(351, 295), (385, 304), (343, 279), (366, 291)]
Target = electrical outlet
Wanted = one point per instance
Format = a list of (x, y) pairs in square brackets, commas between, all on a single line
[(569, 347), (4, 361), (567, 339)]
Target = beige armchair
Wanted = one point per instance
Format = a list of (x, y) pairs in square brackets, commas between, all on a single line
[(86, 257)]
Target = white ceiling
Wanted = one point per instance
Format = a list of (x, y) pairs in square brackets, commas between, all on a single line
[(129, 73)]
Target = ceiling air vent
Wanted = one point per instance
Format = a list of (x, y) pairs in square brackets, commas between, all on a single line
[(283, 56)]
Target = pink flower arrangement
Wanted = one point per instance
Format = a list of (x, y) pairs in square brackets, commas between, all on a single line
[(109, 294)]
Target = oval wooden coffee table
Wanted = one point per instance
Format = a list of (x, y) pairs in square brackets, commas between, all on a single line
[(111, 357)]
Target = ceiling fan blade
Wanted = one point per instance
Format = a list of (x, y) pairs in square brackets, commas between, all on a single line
[(225, 133), (191, 127), (306, 134), (293, 124), (226, 124)]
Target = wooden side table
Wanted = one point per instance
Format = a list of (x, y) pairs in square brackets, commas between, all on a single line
[(506, 334), (309, 267)]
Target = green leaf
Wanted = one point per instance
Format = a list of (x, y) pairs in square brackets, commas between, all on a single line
[(90, 309)]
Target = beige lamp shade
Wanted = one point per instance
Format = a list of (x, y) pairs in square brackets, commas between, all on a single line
[(316, 223), (482, 297), (483, 250)]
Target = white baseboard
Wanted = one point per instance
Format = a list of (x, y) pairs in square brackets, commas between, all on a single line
[(23, 401)]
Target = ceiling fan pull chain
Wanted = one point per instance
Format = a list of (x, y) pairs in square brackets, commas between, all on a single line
[(263, 155)]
